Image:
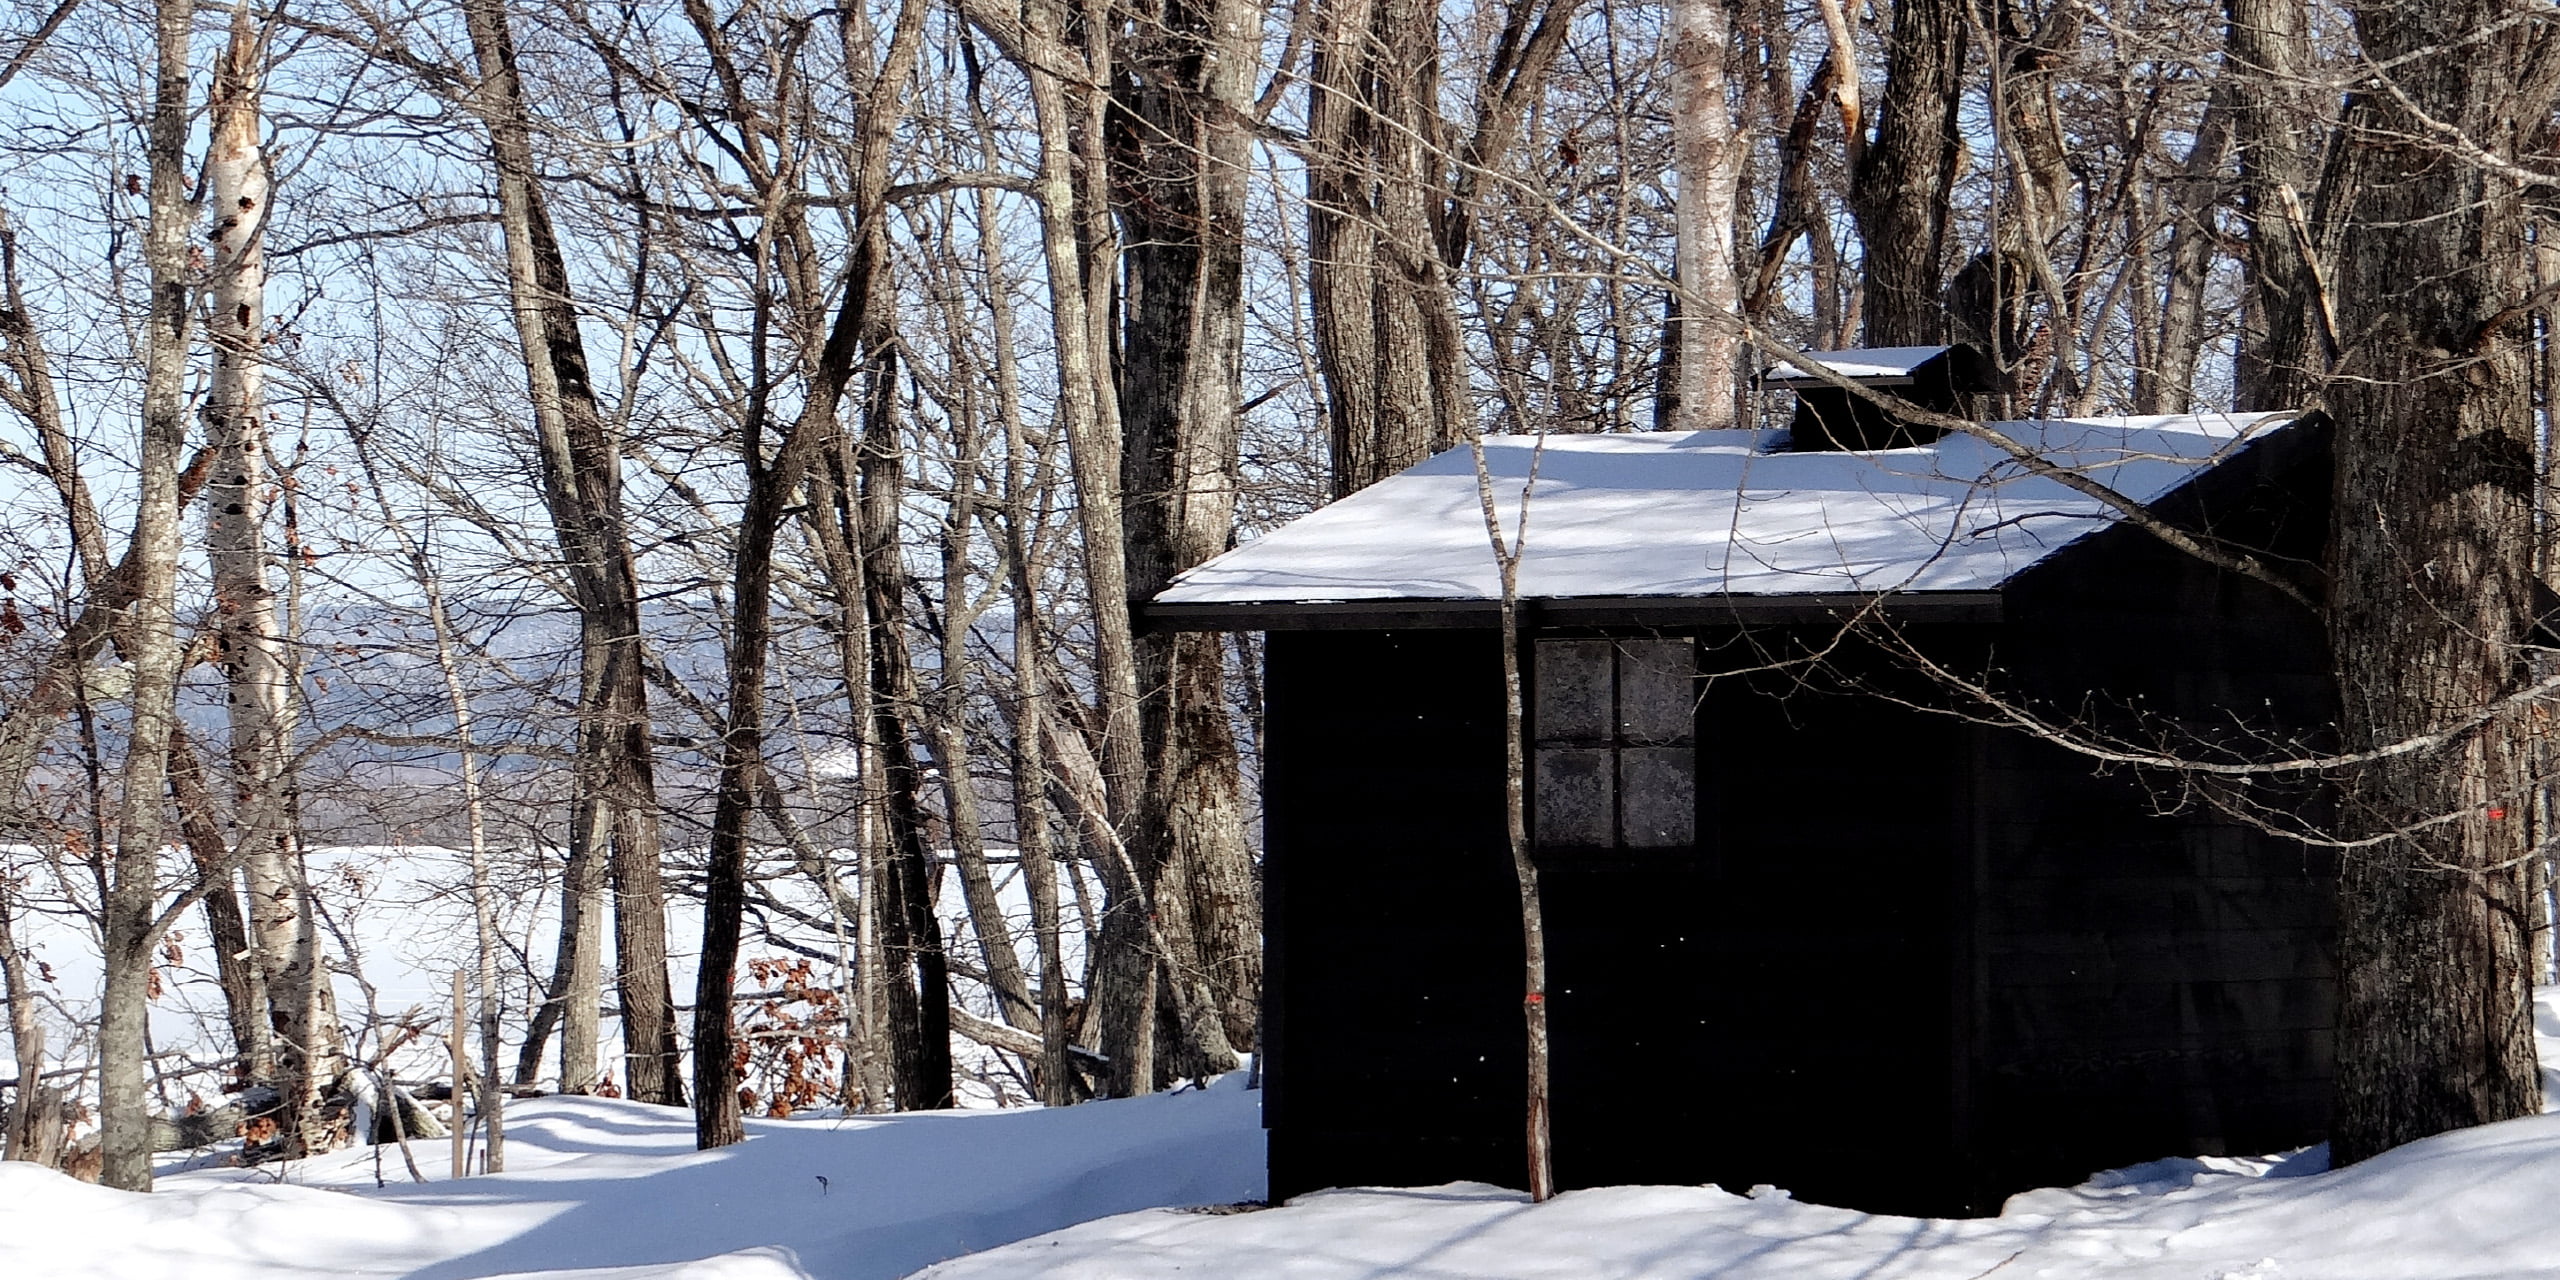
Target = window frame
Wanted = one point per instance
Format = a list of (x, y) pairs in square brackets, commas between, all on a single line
[(1633, 741)]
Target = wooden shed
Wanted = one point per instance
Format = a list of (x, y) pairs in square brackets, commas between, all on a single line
[(1807, 929)]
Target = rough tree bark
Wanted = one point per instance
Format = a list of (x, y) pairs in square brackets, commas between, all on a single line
[(1180, 156), (1014, 523), (244, 988), (1065, 53), (2430, 569), (1376, 153), (920, 1045), (35, 1113), (1391, 196), (1905, 182), (2266, 58)]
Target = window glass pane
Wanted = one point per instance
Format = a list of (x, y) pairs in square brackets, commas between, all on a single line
[(1657, 691), (1575, 798), (1659, 786), (1572, 703)]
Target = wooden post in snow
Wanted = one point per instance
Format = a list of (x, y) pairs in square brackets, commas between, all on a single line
[(461, 1073)]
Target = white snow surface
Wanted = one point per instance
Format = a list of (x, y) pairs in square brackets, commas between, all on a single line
[(605, 1190), (1713, 513), (598, 1188)]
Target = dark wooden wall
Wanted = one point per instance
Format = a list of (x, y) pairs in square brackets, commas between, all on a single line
[(2156, 983), (1391, 918), (1775, 1005)]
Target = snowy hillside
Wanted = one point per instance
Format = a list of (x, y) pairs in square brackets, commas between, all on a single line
[(606, 1190)]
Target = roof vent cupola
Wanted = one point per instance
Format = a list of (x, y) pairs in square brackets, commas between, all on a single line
[(1939, 379)]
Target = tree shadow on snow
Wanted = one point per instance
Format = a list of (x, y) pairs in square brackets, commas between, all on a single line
[(860, 1198)]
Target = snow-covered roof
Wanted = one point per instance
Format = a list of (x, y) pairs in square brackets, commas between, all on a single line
[(1717, 513), (1868, 364)]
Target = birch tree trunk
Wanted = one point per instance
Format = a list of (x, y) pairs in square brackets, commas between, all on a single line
[(1709, 152), (249, 639)]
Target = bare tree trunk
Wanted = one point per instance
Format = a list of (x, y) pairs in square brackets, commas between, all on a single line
[(1182, 212), (944, 715), (1374, 180), (2266, 59), (1905, 182), (1507, 545), (1059, 1085), (34, 1113), (580, 902), (857, 340), (244, 989), (491, 1095), (833, 519), (1080, 253), (614, 812), (922, 1044), (1013, 525), (2430, 573), (653, 1062), (2166, 384), (1708, 152), (150, 636), (248, 636)]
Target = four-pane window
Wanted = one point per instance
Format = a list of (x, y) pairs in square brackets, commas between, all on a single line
[(1615, 758)]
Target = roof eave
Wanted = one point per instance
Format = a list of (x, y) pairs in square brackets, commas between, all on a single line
[(1574, 611)]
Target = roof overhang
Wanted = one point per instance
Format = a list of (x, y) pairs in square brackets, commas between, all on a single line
[(1584, 611)]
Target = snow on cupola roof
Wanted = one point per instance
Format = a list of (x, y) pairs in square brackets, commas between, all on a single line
[(1875, 366), (1660, 515)]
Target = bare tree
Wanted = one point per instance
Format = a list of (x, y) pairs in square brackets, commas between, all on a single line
[(248, 632), (149, 639), (615, 809)]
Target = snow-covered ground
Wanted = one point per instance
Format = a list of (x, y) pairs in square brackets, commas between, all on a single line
[(599, 1188), (602, 1189), (2472, 1205)]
